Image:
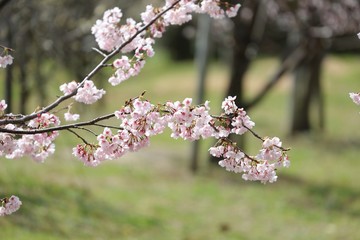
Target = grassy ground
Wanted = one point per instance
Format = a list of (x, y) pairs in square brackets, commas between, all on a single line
[(152, 194)]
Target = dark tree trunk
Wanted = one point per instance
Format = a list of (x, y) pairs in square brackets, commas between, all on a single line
[(8, 88), (24, 87), (40, 80), (306, 89), (202, 59)]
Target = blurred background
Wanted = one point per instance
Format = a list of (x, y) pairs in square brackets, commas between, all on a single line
[(291, 65)]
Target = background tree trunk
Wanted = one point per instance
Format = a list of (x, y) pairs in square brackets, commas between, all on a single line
[(9, 75), (306, 89)]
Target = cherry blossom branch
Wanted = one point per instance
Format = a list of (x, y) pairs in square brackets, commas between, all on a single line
[(58, 128), (34, 134), (97, 68)]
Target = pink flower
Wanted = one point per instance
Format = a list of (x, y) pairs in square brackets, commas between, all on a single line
[(37, 146), (122, 62), (212, 7), (178, 16), (217, 151), (7, 143), (232, 11), (86, 154), (228, 105), (44, 120), (241, 123), (68, 88), (355, 97), (71, 117), (6, 60), (3, 105), (106, 31), (263, 172), (148, 15), (11, 205), (88, 93)]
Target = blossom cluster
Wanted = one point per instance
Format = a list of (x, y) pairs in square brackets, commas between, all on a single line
[(86, 93), (9, 205), (258, 168), (135, 40), (110, 34), (129, 37), (38, 146), (139, 120), (234, 160)]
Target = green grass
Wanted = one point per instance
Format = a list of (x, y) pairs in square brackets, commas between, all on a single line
[(152, 194)]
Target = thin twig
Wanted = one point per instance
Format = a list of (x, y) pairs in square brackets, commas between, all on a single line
[(73, 132), (99, 51), (87, 130), (253, 133)]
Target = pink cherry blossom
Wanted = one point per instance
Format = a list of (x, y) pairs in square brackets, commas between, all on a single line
[(232, 11), (148, 15), (106, 32), (6, 60), (126, 68), (86, 154), (38, 146), (355, 97), (228, 105), (68, 88), (271, 149), (212, 7), (241, 122), (88, 93), (10, 205), (7, 141), (71, 116), (3, 105), (44, 120), (179, 15), (263, 172)]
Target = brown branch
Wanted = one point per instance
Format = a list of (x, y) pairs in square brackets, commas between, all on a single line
[(77, 135), (58, 128)]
